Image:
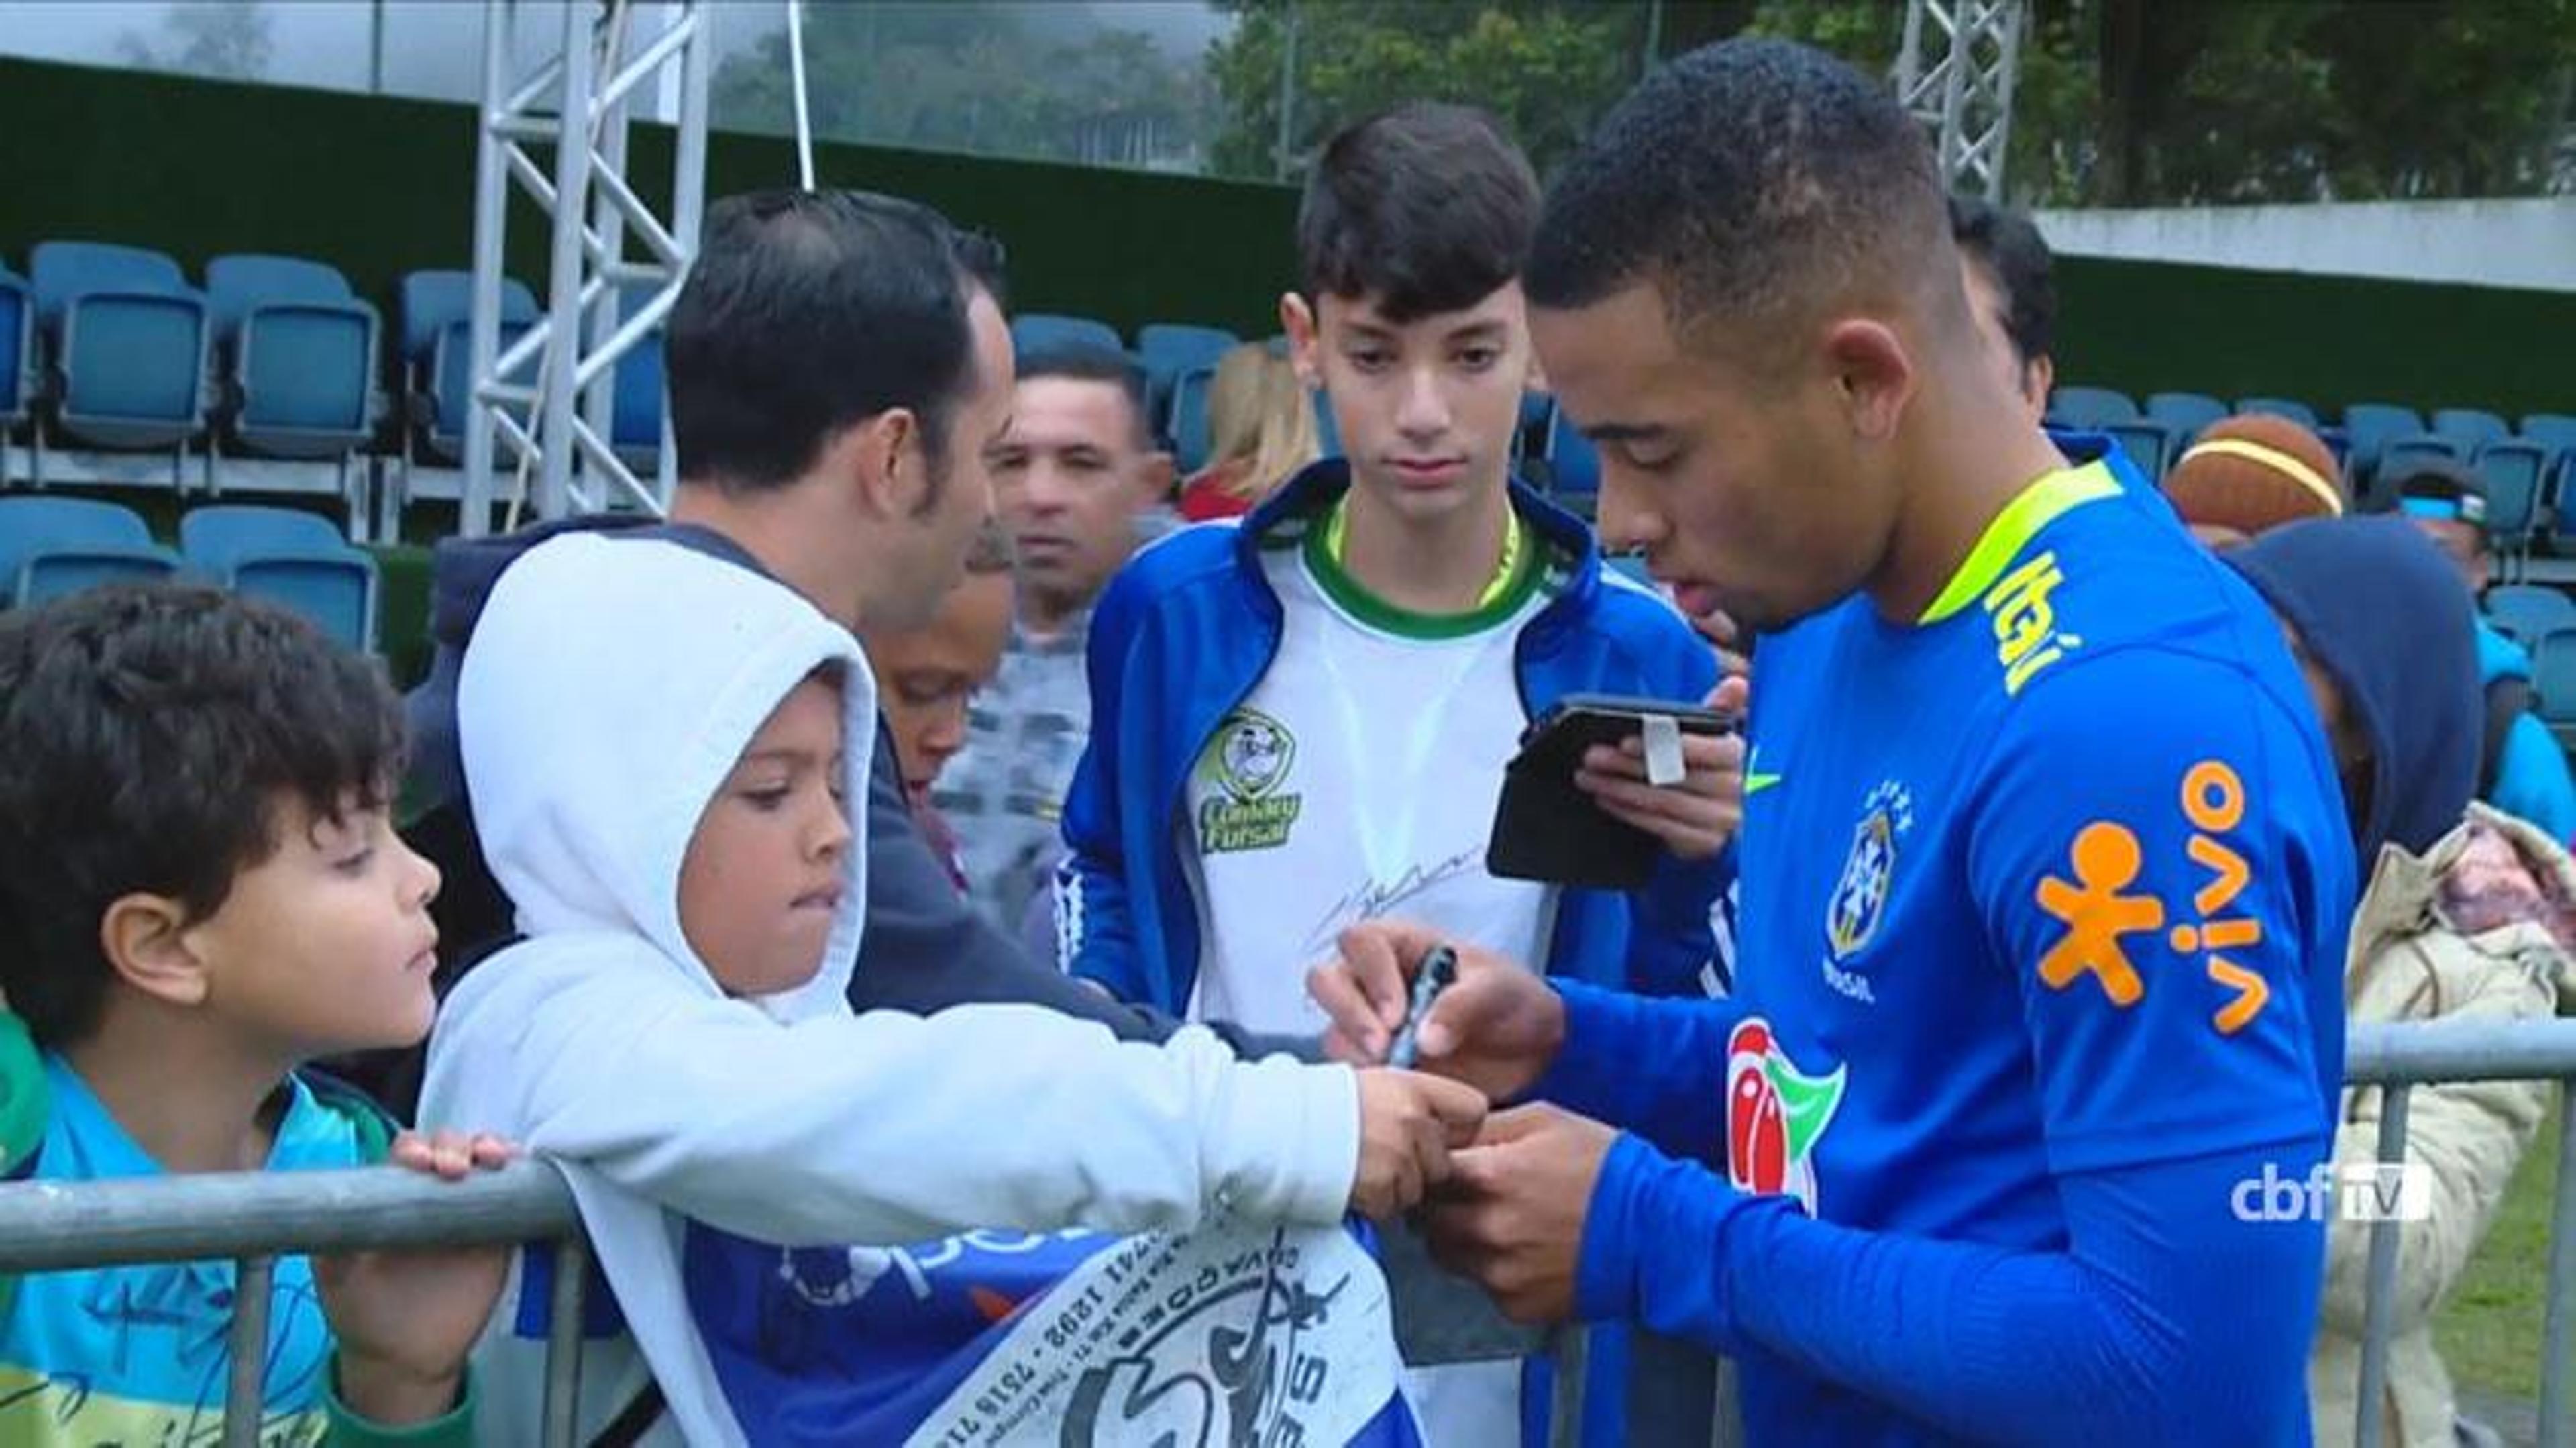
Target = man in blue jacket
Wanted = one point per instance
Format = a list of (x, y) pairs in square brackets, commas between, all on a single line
[(2037, 1027), (2521, 770), (1302, 722)]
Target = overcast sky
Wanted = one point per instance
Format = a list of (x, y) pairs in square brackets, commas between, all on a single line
[(434, 47)]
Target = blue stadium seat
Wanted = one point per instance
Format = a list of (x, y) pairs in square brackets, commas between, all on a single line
[(2553, 680), (2187, 413), (2291, 408), (2471, 427), (1529, 435), (2398, 454), (129, 340), (437, 348), (2529, 610), (1573, 463), (2513, 472), (299, 350), (642, 390), (52, 546), (2090, 407), (2369, 427), (2149, 444), (294, 559), (2555, 431), (1039, 331), (17, 346), (1190, 440), (1168, 349)]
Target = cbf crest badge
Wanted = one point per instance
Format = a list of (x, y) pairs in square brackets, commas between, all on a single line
[(1860, 894)]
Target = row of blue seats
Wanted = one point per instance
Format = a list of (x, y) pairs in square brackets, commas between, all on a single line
[(1568, 465), (2366, 436), (2522, 477), (121, 351), (51, 546), (114, 347)]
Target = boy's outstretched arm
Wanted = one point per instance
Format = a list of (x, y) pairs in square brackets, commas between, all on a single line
[(893, 1127)]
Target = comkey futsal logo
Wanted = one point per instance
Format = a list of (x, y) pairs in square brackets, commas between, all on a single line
[(1775, 1115)]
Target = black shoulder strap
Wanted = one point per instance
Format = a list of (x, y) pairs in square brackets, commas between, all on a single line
[(637, 1419), (2507, 699)]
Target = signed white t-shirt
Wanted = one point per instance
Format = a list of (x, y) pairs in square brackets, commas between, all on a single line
[(1357, 781)]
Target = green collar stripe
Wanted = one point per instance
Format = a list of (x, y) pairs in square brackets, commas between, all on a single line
[(1355, 599), (2042, 503)]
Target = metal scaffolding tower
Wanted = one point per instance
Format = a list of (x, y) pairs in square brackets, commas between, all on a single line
[(1956, 75), (547, 401)]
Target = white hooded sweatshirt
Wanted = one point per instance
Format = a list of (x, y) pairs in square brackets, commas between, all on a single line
[(610, 687)]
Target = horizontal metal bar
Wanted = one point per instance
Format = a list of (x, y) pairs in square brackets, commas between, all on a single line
[(542, 131), (46, 1225), (2385, 1052)]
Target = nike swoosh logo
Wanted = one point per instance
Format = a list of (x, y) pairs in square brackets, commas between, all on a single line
[(1755, 781)]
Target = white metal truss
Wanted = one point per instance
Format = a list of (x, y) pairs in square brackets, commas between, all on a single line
[(548, 399), (1956, 75)]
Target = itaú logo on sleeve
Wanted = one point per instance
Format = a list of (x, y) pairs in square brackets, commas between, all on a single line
[(2360, 1191)]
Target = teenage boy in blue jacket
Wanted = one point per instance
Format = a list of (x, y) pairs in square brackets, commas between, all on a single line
[(1302, 722)]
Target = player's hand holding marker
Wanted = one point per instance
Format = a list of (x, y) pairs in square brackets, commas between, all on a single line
[(1510, 1213), (1496, 1027), (1694, 814)]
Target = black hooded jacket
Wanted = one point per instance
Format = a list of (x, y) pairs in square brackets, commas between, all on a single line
[(2382, 611)]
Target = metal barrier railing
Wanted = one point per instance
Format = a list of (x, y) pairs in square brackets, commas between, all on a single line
[(2398, 1056), (253, 1217)]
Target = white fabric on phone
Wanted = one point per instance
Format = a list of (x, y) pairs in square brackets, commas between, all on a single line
[(1664, 767)]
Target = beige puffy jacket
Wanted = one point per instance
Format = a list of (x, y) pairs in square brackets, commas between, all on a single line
[(2467, 929)]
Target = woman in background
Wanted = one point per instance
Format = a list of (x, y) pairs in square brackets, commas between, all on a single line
[(1261, 430)]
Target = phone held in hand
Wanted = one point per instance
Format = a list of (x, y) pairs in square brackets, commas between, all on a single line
[(1547, 829)]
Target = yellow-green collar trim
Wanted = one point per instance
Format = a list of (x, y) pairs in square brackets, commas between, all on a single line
[(2042, 503)]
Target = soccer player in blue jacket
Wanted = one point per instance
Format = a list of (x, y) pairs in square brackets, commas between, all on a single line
[(2044, 885)]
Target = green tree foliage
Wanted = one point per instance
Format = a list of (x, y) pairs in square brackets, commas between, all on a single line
[(975, 77), (224, 39), (2132, 103), (1547, 70)]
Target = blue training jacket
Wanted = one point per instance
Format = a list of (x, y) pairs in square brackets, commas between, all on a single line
[(1186, 631)]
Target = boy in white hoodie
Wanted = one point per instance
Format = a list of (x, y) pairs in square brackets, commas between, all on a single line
[(660, 747)]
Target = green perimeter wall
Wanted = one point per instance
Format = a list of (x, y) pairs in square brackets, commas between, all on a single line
[(379, 186)]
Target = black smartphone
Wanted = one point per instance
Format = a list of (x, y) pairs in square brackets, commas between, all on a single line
[(1547, 829)]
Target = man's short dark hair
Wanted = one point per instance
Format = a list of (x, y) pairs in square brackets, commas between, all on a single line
[(1757, 178), (1422, 209), (1090, 362), (809, 311), (2008, 245), (149, 737)]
